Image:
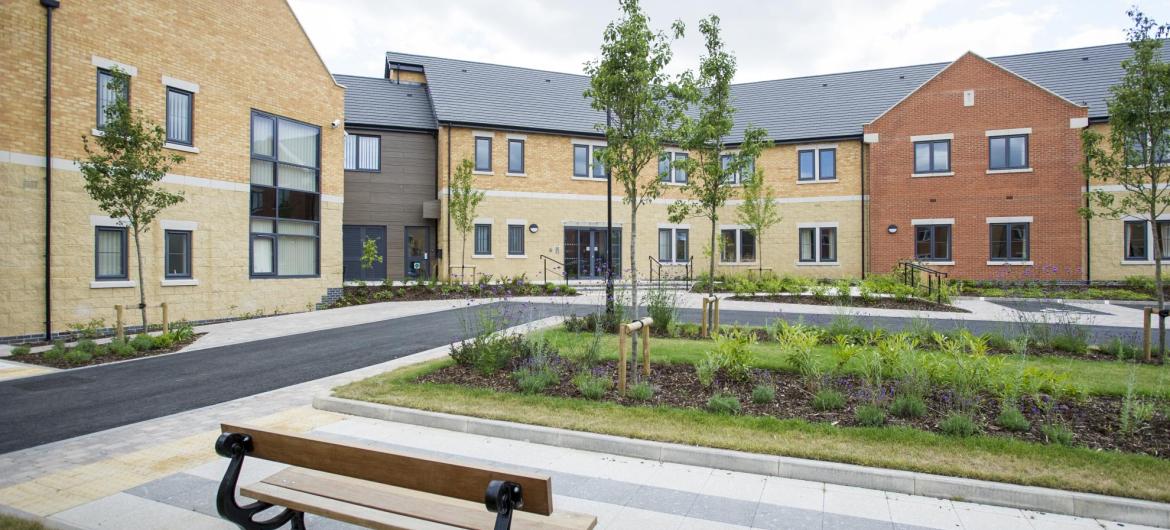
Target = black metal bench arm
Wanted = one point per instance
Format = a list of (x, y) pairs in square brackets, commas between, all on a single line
[(503, 498), (235, 446)]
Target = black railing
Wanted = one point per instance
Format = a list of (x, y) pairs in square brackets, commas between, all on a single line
[(544, 263), (910, 270), (657, 266)]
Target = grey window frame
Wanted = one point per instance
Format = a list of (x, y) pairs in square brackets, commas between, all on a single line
[(800, 178), (594, 163), (190, 115), (817, 256), (668, 175), (125, 249), (521, 229), (674, 233), (475, 240), (738, 258), (820, 165), (930, 156), (585, 174), (1008, 242), (1145, 229), (187, 259), (275, 234), (673, 174), (1142, 143), (475, 153), (933, 240), (522, 153), (357, 153), (101, 114), (1007, 156)]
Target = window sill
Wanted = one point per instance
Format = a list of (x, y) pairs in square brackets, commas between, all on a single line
[(180, 282), (1006, 171), (517, 256), (591, 179), (937, 262), (817, 181), (97, 132), (928, 175), (1009, 263), (111, 284), (482, 256), (817, 263), (510, 174), (357, 170), (488, 173), (1137, 262), (181, 147), (739, 263), (679, 184)]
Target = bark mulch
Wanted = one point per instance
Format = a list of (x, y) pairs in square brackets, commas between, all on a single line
[(101, 358)]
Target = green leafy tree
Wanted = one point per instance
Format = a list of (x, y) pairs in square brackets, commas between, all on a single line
[(630, 83), (759, 211), (370, 256), (711, 170), (123, 171), (1134, 152), (464, 201)]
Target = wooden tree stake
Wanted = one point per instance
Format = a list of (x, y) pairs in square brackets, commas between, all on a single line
[(118, 326)]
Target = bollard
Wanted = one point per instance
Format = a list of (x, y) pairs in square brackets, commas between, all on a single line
[(166, 323), (121, 329), (715, 317), (703, 320), (1147, 315), (643, 326)]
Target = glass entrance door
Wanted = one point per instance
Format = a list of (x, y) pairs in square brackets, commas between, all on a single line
[(417, 253), (586, 250)]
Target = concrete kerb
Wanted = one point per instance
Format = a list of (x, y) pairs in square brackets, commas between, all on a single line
[(1033, 498)]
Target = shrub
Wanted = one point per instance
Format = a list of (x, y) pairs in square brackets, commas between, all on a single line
[(1143, 284), (724, 404), (908, 407), (641, 391), (182, 331), (845, 326), (164, 341), (870, 416), (1070, 342), (661, 305), (1012, 419), (586, 353), (732, 354), (797, 343), (958, 424), (22, 349), (1135, 413), (86, 346), (533, 379), (489, 353), (827, 399), (706, 369), (592, 386), (762, 394), (91, 329), (1121, 349), (1055, 433), (55, 353), (77, 356), (998, 341), (121, 348)]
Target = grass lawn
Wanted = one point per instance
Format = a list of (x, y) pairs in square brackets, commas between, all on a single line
[(981, 457), (8, 522), (1107, 378)]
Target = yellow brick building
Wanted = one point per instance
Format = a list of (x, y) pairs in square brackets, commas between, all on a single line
[(221, 76)]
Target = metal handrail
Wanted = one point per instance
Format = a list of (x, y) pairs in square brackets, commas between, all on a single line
[(654, 262), (544, 262), (656, 265), (934, 277)]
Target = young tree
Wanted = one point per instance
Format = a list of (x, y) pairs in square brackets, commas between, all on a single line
[(759, 211), (464, 201), (630, 84), (123, 172), (1135, 153), (711, 169), (370, 256)]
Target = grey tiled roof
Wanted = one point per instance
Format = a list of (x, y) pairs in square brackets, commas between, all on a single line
[(821, 106), (378, 102)]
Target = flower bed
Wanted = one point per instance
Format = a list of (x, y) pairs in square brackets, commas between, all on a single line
[(86, 352), (881, 302), (1134, 289), (365, 294)]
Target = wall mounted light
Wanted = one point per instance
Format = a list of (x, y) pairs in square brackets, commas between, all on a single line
[(893, 229), (533, 228)]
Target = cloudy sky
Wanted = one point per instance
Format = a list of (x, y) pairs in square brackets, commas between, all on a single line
[(771, 39)]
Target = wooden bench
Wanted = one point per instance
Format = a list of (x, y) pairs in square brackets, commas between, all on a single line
[(377, 488)]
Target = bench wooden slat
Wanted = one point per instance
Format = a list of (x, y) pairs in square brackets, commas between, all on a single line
[(410, 503), (396, 468), (337, 510)]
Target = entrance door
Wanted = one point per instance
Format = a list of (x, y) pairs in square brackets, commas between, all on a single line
[(353, 239), (418, 253), (586, 250)]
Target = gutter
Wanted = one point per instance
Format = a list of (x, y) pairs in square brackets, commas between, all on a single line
[(49, 6)]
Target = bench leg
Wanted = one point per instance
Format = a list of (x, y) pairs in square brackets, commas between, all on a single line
[(503, 497), (236, 446)]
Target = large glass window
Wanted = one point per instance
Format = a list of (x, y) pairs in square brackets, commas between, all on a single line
[(110, 253), (108, 93), (483, 153), (816, 164), (483, 240), (515, 156), (515, 240), (1009, 241), (587, 162), (1136, 245), (363, 152), (818, 244), (828, 164), (673, 245), (285, 198), (580, 161), (1008, 152), (180, 111), (738, 245), (177, 262), (932, 157), (932, 242)]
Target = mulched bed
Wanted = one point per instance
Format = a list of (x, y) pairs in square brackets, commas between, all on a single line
[(1070, 292), (1094, 422), (880, 302), (35, 358), (357, 295)]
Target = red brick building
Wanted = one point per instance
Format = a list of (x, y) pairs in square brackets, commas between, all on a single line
[(977, 173)]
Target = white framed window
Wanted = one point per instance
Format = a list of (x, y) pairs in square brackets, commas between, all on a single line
[(818, 244), (737, 245), (674, 244), (363, 152), (816, 164)]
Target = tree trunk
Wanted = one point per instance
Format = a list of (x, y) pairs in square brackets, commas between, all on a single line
[(635, 315), (711, 262), (1158, 287), (462, 258), (141, 284)]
